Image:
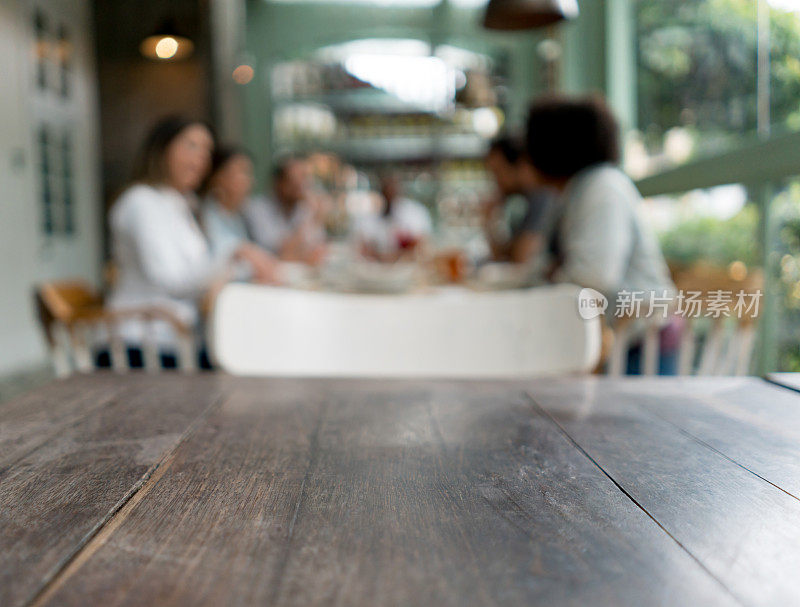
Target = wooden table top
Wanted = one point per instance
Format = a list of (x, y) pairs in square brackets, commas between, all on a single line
[(210, 490)]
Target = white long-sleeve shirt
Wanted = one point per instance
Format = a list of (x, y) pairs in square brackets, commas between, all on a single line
[(162, 258), (406, 218), (270, 226)]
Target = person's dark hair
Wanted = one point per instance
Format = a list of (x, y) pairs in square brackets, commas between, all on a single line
[(566, 135), (222, 156), (510, 147), (282, 165), (150, 167)]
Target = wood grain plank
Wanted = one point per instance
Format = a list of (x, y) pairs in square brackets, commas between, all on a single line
[(55, 497), (28, 421), (747, 399), (744, 530), (753, 423), (382, 493), (787, 380), (213, 529)]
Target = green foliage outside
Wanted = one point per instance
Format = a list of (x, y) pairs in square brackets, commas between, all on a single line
[(784, 265), (697, 69), (713, 240)]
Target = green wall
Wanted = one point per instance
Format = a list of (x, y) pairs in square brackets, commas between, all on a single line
[(600, 55)]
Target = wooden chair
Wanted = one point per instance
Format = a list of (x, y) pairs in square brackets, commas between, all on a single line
[(71, 311), (709, 346), (256, 330)]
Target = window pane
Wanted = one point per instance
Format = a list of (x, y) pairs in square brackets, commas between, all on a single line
[(698, 77), (784, 264), (42, 49), (64, 61), (44, 180), (67, 183), (784, 90)]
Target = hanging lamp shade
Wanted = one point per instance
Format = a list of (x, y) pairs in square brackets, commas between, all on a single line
[(166, 43), (527, 14)]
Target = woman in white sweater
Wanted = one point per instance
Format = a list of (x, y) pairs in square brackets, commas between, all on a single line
[(161, 255)]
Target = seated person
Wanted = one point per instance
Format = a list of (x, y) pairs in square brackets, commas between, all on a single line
[(227, 190), (599, 240), (285, 223), (161, 255), (402, 225), (513, 174)]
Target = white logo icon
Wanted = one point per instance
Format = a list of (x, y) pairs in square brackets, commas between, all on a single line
[(591, 304)]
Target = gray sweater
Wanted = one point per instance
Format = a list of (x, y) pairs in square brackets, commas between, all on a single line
[(603, 242)]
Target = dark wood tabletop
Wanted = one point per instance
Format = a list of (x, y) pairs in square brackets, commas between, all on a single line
[(210, 490)]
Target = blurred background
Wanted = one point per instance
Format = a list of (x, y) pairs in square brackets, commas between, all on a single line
[(707, 92)]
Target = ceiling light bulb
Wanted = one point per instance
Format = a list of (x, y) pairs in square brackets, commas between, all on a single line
[(166, 47)]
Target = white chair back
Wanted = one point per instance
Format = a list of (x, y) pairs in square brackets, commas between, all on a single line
[(713, 342), (256, 330), (722, 346)]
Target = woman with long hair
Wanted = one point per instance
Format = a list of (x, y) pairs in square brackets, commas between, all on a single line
[(161, 255)]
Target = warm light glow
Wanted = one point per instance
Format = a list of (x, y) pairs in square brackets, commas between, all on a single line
[(737, 270), (166, 48), (243, 74), (64, 51)]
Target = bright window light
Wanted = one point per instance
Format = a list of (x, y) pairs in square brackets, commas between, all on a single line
[(462, 58), (424, 81), (785, 5), (469, 3), (375, 46)]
